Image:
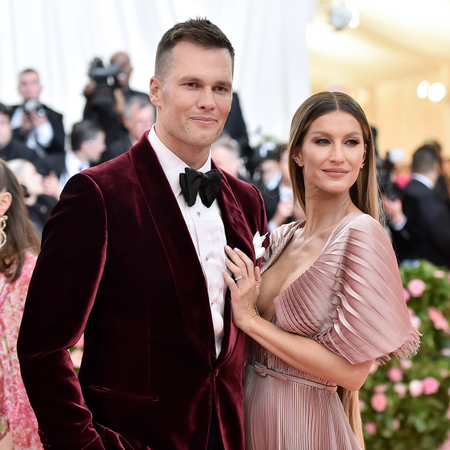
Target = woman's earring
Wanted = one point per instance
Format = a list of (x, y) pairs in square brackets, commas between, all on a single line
[(3, 236), (299, 163), (362, 165)]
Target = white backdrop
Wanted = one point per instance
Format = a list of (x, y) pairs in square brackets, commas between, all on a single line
[(59, 38)]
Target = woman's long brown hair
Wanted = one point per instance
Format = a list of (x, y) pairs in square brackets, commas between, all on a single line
[(364, 193), (21, 235)]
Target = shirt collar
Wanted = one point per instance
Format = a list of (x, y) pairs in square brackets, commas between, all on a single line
[(170, 163), (74, 165), (423, 179)]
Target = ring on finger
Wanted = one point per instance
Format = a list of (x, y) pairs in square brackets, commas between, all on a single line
[(239, 277)]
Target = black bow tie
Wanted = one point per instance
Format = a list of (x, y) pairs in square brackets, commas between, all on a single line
[(207, 184)]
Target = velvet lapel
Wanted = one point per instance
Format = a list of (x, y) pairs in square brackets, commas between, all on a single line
[(180, 251), (238, 235)]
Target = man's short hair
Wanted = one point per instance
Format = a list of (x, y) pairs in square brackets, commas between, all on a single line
[(141, 101), (197, 31), (424, 159), (86, 130), (230, 144), (5, 110), (29, 70)]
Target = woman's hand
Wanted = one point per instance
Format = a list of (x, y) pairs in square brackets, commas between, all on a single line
[(244, 287)]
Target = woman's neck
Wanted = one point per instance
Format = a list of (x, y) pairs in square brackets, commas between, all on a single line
[(323, 212)]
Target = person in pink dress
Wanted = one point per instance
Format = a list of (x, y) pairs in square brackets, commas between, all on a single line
[(19, 246), (329, 299)]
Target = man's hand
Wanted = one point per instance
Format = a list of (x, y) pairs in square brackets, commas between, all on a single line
[(36, 119), (89, 88)]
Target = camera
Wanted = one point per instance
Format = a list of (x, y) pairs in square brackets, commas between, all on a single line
[(32, 105), (106, 81)]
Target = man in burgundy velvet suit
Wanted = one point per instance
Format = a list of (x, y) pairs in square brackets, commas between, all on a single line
[(135, 262)]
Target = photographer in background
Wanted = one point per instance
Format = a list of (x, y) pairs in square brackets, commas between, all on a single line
[(138, 117), (33, 123), (88, 144), (107, 93)]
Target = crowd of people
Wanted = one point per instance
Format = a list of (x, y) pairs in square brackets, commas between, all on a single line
[(133, 257)]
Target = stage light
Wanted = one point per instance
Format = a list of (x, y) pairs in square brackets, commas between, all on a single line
[(436, 92), (422, 89)]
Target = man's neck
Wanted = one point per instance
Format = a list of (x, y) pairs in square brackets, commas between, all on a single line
[(79, 155)]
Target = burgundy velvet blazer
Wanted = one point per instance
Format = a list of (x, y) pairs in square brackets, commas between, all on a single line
[(118, 264)]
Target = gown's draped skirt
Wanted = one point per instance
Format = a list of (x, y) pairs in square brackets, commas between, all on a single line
[(289, 413)]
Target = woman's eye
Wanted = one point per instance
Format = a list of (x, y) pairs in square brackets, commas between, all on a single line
[(352, 142), (322, 141)]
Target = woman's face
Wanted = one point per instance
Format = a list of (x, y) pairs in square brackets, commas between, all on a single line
[(31, 179), (332, 153)]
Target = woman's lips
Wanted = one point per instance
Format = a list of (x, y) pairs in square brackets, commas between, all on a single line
[(336, 173)]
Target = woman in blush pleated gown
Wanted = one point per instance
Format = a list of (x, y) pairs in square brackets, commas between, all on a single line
[(330, 297), (19, 245)]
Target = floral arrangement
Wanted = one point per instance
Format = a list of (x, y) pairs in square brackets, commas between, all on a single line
[(405, 404)]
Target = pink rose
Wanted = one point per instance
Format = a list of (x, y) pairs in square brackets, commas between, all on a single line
[(76, 356), (380, 389), (439, 274), (416, 287), (406, 294), (439, 321), (416, 322), (80, 343), (396, 424), (416, 388), (406, 364), (430, 385), (378, 402), (400, 388), (371, 428), (444, 373), (445, 351), (395, 374)]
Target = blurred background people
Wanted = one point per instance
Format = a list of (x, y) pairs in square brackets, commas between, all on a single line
[(19, 246), (276, 189), (421, 228), (36, 124), (105, 103), (88, 144), (39, 205), (11, 148), (138, 117), (225, 153), (235, 126)]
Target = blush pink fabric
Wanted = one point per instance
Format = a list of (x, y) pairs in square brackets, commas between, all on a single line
[(16, 414), (351, 301)]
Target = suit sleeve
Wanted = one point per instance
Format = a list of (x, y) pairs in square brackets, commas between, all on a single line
[(61, 295), (59, 136)]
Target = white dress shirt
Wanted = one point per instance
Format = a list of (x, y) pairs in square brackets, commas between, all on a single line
[(74, 165), (206, 228)]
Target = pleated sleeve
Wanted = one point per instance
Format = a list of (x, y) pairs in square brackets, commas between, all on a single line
[(356, 281)]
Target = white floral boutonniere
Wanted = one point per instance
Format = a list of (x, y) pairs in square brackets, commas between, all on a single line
[(257, 244)]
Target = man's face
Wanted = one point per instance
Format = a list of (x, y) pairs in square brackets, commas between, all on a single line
[(124, 61), (140, 120), (93, 149), (193, 98), (29, 85), (5, 130)]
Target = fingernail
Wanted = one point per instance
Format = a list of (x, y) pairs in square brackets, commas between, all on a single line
[(236, 249), (227, 247)]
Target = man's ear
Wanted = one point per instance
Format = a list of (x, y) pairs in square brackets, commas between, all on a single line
[(5, 202), (155, 91)]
